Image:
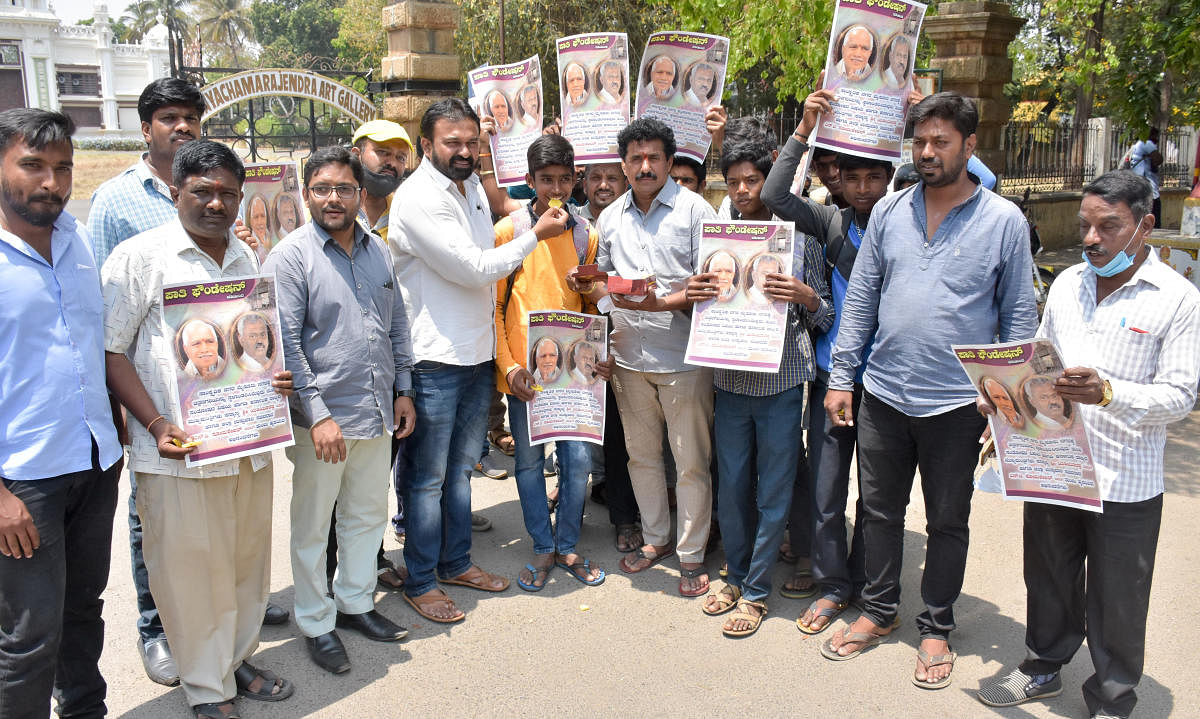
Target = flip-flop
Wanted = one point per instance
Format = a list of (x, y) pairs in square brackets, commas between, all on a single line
[(482, 576), (245, 675), (798, 593), (865, 640), (692, 574), (641, 554), (631, 535), (586, 566), (829, 613), (212, 710), (755, 620), (933, 660), (535, 571), (728, 597), (431, 617)]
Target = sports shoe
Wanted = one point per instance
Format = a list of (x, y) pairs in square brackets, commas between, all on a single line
[(1017, 687), (480, 523), (488, 468)]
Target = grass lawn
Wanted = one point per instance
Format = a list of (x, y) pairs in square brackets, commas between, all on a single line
[(93, 167)]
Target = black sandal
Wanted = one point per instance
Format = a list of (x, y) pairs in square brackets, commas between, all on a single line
[(245, 675), (212, 710)]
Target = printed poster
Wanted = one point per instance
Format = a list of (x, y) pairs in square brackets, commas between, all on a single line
[(1041, 444), (681, 76), (593, 73), (741, 328), (271, 206), (227, 346), (512, 96), (872, 50), (564, 349)]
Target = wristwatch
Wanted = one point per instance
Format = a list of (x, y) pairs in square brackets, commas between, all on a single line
[(406, 393), (1108, 395)]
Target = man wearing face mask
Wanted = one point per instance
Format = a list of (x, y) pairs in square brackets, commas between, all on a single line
[(1128, 329), (382, 146)]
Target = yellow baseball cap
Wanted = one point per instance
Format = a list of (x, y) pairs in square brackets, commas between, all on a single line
[(381, 131)]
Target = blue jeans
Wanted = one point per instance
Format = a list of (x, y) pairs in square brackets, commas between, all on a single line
[(754, 515), (574, 464), (452, 405)]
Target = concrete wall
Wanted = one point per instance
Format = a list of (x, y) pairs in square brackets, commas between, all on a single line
[(1057, 215)]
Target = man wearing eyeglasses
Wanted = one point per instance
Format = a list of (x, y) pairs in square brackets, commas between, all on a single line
[(345, 336)]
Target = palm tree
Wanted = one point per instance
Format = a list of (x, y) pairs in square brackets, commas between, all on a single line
[(145, 14), (225, 23)]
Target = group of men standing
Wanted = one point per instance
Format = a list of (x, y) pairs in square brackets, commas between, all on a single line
[(394, 309)]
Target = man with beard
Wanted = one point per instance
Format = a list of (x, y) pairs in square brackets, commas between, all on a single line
[(602, 183), (963, 252), (137, 200), (1050, 410), (382, 146), (699, 92), (208, 529), (353, 393), (254, 334), (612, 83), (447, 265), (59, 460)]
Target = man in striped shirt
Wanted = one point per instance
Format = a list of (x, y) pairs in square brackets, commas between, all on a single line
[(1128, 329)]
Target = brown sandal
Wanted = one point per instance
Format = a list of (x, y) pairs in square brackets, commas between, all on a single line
[(502, 441), (476, 578), (727, 598), (435, 597), (754, 619)]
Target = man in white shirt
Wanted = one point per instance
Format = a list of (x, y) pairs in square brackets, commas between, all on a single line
[(1128, 329), (442, 240)]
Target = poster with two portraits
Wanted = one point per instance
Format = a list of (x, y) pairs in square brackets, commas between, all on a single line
[(225, 349), (564, 351), (1041, 443), (271, 203), (512, 96), (742, 328), (869, 66)]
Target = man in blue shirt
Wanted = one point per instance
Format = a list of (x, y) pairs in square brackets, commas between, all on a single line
[(945, 262), (59, 453)]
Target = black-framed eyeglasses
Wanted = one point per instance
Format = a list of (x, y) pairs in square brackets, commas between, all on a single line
[(345, 192)]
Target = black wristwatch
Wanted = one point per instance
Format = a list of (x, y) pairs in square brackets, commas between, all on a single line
[(406, 393)]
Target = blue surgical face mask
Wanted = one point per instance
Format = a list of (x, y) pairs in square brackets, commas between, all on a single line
[(1118, 264)]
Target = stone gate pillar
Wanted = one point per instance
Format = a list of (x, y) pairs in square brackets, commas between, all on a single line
[(421, 66), (971, 40)]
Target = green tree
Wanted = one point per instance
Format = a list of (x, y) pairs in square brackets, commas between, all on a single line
[(226, 24), (145, 14), (293, 32), (361, 41)]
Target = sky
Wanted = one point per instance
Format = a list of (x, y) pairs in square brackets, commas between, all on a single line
[(72, 11)]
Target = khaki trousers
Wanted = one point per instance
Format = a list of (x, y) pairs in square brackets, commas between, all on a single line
[(359, 487), (684, 401), (207, 544)]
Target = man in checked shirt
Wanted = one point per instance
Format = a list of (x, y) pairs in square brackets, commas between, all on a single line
[(1128, 329)]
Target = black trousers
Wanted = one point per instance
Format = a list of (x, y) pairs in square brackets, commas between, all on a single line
[(618, 491), (945, 447), (1089, 574), (837, 568), (51, 630)]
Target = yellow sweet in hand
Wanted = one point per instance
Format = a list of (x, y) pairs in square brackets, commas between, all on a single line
[(554, 202)]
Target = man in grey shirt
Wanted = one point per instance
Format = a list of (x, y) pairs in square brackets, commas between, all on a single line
[(345, 334), (654, 230), (944, 262)]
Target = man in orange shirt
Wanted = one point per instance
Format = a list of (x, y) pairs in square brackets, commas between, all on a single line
[(540, 284)]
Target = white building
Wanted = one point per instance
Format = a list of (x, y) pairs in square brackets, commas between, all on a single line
[(77, 69)]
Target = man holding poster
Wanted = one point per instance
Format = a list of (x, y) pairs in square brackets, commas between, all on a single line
[(540, 284), (761, 409), (353, 393), (1126, 384), (207, 529), (654, 230), (963, 252)]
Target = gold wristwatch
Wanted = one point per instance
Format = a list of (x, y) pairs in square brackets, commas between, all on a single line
[(1107, 398)]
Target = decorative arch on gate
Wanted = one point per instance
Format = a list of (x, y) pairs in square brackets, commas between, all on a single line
[(273, 82)]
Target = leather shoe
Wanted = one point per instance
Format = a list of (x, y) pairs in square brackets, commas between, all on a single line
[(328, 652), (275, 614), (158, 662), (373, 626)]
